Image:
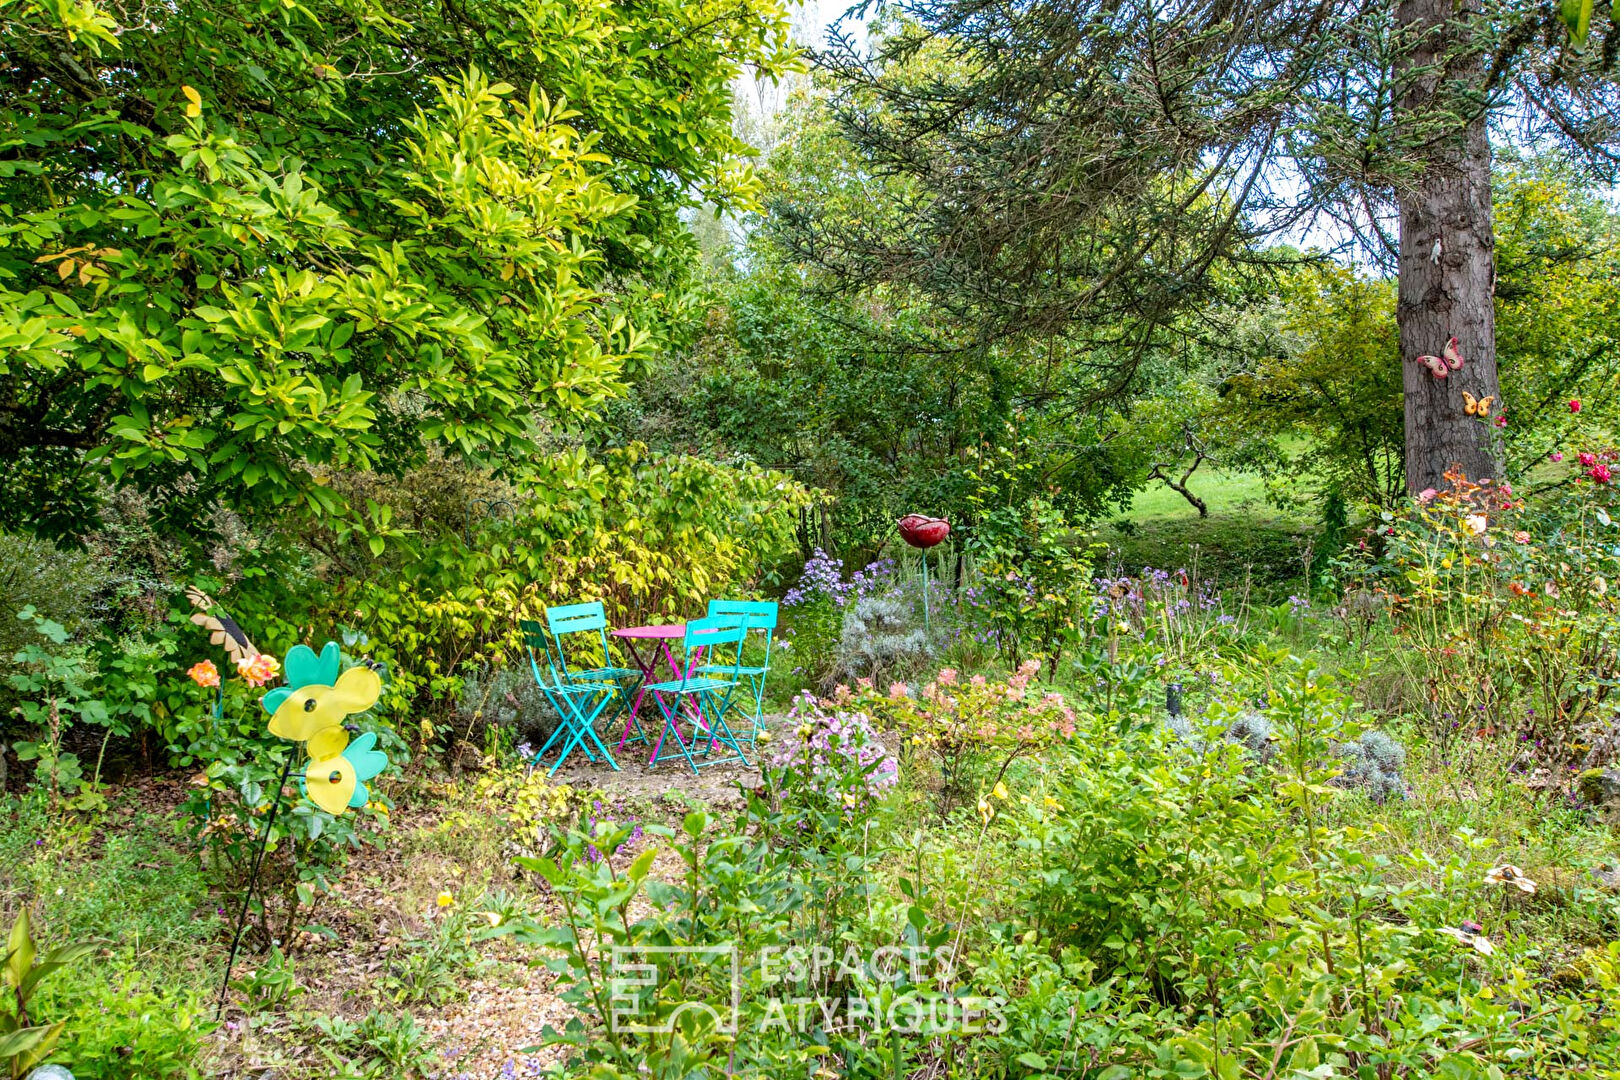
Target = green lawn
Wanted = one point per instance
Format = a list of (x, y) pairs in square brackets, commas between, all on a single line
[(1244, 538)]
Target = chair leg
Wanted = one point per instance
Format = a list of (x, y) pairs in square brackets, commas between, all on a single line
[(718, 725), (671, 727), (580, 726), (632, 719)]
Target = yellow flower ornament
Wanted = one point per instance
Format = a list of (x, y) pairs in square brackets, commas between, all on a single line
[(311, 708)]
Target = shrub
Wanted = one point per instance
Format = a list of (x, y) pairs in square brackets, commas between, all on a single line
[(1372, 764), (125, 1023), (1505, 611), (830, 758), (879, 640), (1246, 728), (973, 730)]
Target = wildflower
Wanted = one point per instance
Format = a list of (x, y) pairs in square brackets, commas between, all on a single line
[(258, 670), (491, 917), (1558, 455), (1501, 420), (897, 691), (1476, 523), (1051, 804), (1600, 473), (1000, 791), (947, 676), (1508, 874), (1586, 458), (986, 811), (204, 673), (1426, 496), (1575, 405), (1521, 537), (444, 899)]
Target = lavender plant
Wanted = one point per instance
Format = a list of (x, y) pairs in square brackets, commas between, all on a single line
[(879, 639), (1372, 764)]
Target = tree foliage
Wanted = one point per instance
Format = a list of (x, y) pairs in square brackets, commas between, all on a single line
[(243, 245)]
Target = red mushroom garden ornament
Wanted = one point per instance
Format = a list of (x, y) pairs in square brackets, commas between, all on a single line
[(922, 533)]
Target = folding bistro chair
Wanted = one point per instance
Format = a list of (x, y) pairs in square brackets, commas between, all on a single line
[(710, 694), (757, 615), (578, 703), (582, 619)]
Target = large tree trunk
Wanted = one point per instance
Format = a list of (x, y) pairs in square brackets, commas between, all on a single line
[(1452, 295)]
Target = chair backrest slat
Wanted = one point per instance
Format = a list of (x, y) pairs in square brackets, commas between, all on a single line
[(578, 619), (760, 615), (573, 618)]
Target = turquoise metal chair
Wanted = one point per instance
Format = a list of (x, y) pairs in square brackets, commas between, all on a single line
[(710, 693), (571, 619), (757, 615), (578, 703)]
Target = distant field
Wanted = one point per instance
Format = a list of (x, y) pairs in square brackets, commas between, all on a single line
[(1244, 539), (1224, 493)]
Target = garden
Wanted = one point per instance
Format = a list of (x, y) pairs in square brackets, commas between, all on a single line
[(935, 540)]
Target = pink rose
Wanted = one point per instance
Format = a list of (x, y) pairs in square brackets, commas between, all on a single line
[(1600, 473), (1558, 455), (1575, 405), (1587, 459)]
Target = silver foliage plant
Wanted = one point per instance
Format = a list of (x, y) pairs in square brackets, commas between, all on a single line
[(1248, 729), (880, 638), (1372, 764)]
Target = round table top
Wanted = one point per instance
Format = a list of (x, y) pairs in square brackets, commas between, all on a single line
[(666, 631)]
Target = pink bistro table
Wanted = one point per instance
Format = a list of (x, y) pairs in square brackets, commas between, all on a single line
[(654, 639)]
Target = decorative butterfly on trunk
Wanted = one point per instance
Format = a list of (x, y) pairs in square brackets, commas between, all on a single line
[(1450, 360), (223, 630), (1480, 407)]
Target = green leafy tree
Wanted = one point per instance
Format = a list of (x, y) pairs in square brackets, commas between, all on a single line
[(244, 246), (1085, 172)]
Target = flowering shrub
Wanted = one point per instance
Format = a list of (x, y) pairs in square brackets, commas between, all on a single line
[(830, 758), (814, 613), (1506, 613), (1181, 614), (971, 728)]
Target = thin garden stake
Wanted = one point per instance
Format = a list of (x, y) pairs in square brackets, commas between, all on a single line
[(253, 879), (926, 629)]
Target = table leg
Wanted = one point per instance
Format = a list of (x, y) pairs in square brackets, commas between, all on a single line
[(635, 706), (675, 666)]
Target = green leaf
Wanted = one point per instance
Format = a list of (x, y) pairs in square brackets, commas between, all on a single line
[(1031, 1060), (19, 949), (1577, 16)]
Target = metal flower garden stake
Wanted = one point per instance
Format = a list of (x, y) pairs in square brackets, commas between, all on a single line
[(310, 709), (923, 533)]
